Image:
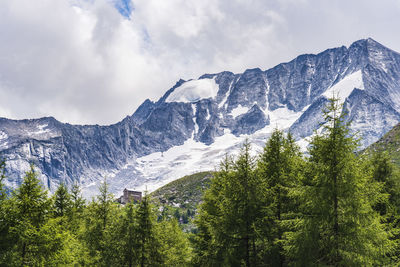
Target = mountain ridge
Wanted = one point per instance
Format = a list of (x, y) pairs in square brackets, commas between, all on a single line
[(289, 96)]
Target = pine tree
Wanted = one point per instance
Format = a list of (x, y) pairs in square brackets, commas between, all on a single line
[(339, 226)]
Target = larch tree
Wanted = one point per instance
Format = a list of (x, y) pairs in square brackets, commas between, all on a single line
[(38, 239), (98, 218), (210, 242), (386, 173), (62, 201), (229, 214), (5, 219), (339, 225), (279, 169), (148, 243)]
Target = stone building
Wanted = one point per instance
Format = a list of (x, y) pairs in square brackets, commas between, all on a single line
[(130, 195)]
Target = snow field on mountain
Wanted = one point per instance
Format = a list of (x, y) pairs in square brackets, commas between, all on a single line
[(193, 91), (3, 139), (239, 110), (3, 136), (345, 86), (158, 169)]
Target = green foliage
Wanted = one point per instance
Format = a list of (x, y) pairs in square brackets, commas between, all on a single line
[(175, 246), (78, 202), (148, 244), (279, 168), (62, 201), (386, 173), (229, 214), (99, 219), (209, 243), (129, 236), (62, 231), (5, 219), (338, 225), (2, 177), (34, 239)]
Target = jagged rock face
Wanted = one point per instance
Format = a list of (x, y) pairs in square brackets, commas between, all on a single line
[(192, 118), (251, 121)]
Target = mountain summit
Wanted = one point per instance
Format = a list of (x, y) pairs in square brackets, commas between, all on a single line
[(197, 121)]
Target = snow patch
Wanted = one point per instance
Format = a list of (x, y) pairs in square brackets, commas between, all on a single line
[(3, 136), (4, 145), (227, 94), (193, 91), (208, 115), (41, 129), (379, 59), (239, 110), (344, 88), (283, 118)]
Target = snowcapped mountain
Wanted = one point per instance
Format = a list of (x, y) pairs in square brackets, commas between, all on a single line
[(196, 122)]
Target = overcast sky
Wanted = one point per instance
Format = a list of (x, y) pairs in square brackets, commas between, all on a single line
[(88, 62)]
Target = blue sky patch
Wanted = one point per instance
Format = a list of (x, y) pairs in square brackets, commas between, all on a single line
[(124, 7)]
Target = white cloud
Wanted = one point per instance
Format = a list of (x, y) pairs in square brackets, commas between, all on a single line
[(82, 62)]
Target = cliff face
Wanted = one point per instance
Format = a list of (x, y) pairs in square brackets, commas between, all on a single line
[(195, 122)]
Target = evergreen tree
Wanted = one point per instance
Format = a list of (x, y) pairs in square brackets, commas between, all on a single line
[(105, 200), (5, 219), (175, 247), (37, 240), (209, 242), (279, 170), (62, 201), (77, 205), (129, 237), (339, 226), (229, 214), (78, 202), (241, 209), (99, 217), (3, 194), (384, 171), (148, 243)]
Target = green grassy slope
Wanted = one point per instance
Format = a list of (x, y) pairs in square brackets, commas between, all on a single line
[(390, 143), (185, 192)]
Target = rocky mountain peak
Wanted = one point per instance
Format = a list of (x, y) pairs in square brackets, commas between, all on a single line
[(197, 121)]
